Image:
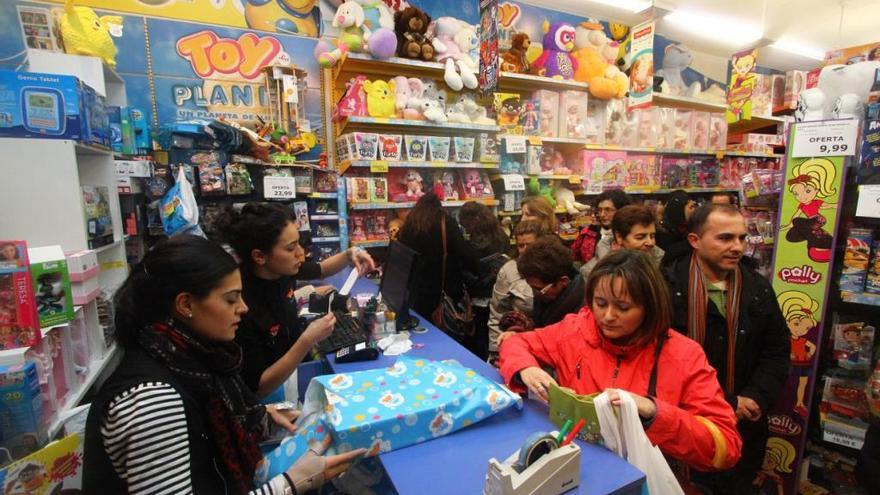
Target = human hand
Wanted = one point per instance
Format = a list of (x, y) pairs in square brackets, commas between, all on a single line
[(283, 416), (324, 290), (312, 469), (747, 409), (319, 329), (538, 381), (361, 260), (646, 407)]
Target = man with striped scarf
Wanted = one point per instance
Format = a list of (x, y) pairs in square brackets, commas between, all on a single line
[(720, 301)]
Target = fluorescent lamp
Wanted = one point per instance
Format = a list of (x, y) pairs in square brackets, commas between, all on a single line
[(724, 29), (631, 5), (798, 49)]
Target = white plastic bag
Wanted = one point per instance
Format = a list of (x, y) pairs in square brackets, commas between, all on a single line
[(623, 433), (178, 208)]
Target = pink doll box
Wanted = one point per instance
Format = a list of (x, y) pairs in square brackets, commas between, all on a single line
[(549, 112), (717, 132), (646, 136), (416, 148), (377, 226), (604, 170), (390, 147), (594, 125), (359, 189), (406, 184), (700, 131), (572, 114), (641, 173), (681, 130), (777, 91), (476, 185), (795, 83)]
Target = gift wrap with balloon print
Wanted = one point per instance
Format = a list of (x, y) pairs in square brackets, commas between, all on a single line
[(386, 409)]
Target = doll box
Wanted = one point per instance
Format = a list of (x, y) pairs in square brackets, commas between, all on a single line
[(82, 265), (700, 131), (795, 84), (641, 173), (717, 132), (549, 112), (674, 172), (21, 410), (51, 285), (572, 114), (594, 125), (475, 184), (379, 190), (19, 322)]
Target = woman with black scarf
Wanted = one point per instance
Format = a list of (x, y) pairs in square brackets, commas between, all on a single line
[(176, 416)]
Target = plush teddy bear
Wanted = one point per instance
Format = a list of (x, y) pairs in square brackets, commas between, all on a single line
[(407, 93), (411, 27), (677, 58), (380, 98), (605, 79), (515, 60)]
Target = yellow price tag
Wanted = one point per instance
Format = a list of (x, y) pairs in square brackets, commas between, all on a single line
[(113, 265), (535, 140), (379, 166), (719, 155), (574, 179)]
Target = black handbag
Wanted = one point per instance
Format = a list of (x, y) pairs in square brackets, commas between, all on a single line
[(456, 318)]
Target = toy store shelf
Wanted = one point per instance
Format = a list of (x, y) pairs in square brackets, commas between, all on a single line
[(96, 369), (370, 122), (514, 213), (110, 246), (371, 244), (46, 330), (323, 195), (325, 240), (324, 217), (362, 63), (756, 123), (860, 298), (696, 190), (410, 204), (527, 82), (344, 166), (673, 101), (249, 160), (571, 177), (92, 149)]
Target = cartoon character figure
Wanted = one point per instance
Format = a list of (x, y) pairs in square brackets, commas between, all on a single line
[(283, 16), (511, 108), (556, 60), (742, 84), (380, 98), (413, 182), (811, 183), (799, 311), (778, 457), (84, 33)]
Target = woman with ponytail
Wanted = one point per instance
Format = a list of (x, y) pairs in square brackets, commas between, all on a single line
[(176, 416)]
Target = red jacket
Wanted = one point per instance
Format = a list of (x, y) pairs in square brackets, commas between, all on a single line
[(694, 423)]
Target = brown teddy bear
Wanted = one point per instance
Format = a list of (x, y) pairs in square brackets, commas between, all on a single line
[(515, 60), (410, 25)]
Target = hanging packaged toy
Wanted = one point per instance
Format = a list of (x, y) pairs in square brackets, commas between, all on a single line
[(178, 207)]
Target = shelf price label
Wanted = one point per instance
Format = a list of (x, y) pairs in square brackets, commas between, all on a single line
[(513, 182), (279, 187), (379, 166), (515, 144), (825, 138), (574, 179)]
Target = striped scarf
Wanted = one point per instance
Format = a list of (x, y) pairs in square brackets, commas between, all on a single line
[(698, 305)]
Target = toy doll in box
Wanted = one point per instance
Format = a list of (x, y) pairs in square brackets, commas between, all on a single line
[(665, 121), (359, 189), (573, 114), (530, 120), (325, 182), (646, 135), (377, 226), (629, 137), (509, 110), (552, 162), (379, 190), (594, 124), (703, 173), (476, 185), (674, 172), (358, 234), (19, 322), (605, 169), (681, 130), (641, 172), (301, 212), (700, 131), (717, 132), (614, 111), (445, 185), (549, 111), (405, 185)]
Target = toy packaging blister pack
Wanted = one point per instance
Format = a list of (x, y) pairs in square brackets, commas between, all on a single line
[(853, 344), (238, 180), (508, 112), (549, 111), (674, 172), (594, 125), (19, 321), (573, 114), (358, 189), (99, 225), (648, 128), (629, 135), (475, 184), (51, 282), (641, 173)]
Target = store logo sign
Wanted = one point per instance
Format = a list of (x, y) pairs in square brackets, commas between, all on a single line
[(782, 424), (209, 54), (803, 275), (508, 13)]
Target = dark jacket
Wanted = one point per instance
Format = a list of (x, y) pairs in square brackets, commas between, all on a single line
[(138, 367), (480, 282), (426, 289), (762, 346), (570, 301)]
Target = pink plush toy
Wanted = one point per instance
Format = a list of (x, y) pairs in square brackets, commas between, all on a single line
[(408, 92), (354, 103), (413, 182)]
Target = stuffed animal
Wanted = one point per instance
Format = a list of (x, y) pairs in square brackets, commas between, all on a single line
[(411, 27), (407, 91), (837, 81), (354, 103), (476, 112), (457, 113), (413, 183), (84, 33), (811, 105), (433, 102), (565, 199), (677, 58), (380, 98), (450, 36), (515, 59), (556, 60), (605, 80), (355, 36), (534, 188)]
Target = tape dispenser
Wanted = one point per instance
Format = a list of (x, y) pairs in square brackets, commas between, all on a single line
[(540, 467)]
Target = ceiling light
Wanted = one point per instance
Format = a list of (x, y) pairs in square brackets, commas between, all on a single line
[(798, 49), (631, 5), (727, 30)]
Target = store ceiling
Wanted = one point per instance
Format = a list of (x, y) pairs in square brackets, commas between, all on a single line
[(818, 25)]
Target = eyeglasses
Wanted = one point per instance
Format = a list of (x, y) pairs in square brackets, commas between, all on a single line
[(546, 288)]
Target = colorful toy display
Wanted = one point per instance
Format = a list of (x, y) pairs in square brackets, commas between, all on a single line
[(476, 185), (556, 60), (592, 50)]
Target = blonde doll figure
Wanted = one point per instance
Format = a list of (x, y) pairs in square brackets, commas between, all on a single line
[(778, 458), (800, 312), (811, 183)]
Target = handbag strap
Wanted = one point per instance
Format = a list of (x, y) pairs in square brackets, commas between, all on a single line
[(652, 382), (443, 235)]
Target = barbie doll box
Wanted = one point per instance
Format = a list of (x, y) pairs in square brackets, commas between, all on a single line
[(19, 323)]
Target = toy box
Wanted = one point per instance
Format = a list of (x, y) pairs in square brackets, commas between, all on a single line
[(869, 156), (549, 111), (594, 125), (21, 410), (406, 184), (674, 172), (777, 91), (872, 281), (447, 186), (143, 142), (376, 225), (646, 135), (614, 110), (855, 260), (238, 180), (51, 283), (379, 190), (717, 132), (212, 178), (530, 120), (489, 152), (573, 114), (533, 159), (19, 321), (438, 148), (795, 84), (35, 105), (629, 133), (358, 189), (99, 131), (641, 173), (475, 184), (681, 130), (762, 96), (665, 121), (57, 468), (365, 145), (463, 149), (605, 169), (82, 265), (390, 147), (508, 111), (343, 152), (416, 148), (703, 173), (700, 131), (357, 231), (552, 162)]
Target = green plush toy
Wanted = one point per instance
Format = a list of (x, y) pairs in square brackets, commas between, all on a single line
[(534, 188)]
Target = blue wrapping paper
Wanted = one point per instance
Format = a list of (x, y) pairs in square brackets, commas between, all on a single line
[(413, 401)]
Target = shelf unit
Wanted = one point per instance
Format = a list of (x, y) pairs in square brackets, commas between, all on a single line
[(410, 204), (689, 103), (347, 164), (379, 123)]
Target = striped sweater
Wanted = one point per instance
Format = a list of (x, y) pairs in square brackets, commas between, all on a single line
[(145, 436)]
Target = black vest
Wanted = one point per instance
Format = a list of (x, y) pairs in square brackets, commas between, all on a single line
[(138, 367)]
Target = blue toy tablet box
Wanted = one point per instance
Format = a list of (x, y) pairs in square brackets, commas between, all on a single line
[(21, 411), (413, 401), (34, 105)]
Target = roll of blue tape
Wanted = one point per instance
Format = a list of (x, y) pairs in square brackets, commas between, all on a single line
[(535, 446)]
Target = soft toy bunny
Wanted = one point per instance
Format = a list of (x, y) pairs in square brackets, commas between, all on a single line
[(408, 93), (461, 69), (565, 198), (457, 113), (433, 103)]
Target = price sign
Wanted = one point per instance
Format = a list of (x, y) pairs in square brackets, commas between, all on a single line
[(535, 140), (843, 439), (279, 187), (515, 144), (379, 166), (825, 138), (513, 182), (574, 179)]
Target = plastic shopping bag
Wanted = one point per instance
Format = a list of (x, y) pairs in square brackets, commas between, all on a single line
[(178, 207), (623, 433)]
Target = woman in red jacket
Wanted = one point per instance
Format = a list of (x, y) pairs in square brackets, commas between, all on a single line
[(612, 343)]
